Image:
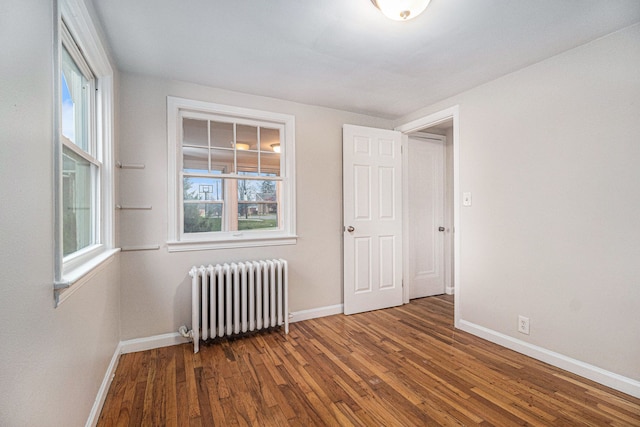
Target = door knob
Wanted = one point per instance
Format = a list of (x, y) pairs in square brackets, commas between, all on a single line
[(350, 229), (440, 228)]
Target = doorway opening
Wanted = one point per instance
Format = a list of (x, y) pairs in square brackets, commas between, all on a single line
[(427, 212), (375, 224), (430, 206)]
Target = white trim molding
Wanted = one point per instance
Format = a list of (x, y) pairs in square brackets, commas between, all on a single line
[(179, 241), (149, 343), (313, 313), (78, 277), (186, 246), (174, 338), (96, 409), (594, 373)]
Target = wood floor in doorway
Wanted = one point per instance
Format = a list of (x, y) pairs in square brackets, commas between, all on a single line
[(405, 366)]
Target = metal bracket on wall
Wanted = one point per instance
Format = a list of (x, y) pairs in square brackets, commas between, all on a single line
[(140, 248), (134, 207), (130, 165)]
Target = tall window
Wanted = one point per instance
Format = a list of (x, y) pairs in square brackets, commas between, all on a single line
[(233, 175), (83, 181), (80, 164)]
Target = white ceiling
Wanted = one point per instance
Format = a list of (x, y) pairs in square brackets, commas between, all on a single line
[(345, 54)]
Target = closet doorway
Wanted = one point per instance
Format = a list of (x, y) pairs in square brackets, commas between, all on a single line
[(428, 207)]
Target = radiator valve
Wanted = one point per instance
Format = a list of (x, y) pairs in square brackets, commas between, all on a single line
[(182, 330)]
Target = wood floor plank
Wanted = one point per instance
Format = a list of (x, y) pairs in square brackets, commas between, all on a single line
[(403, 366), (182, 404), (137, 408), (117, 398), (130, 413), (190, 380), (148, 406), (206, 413)]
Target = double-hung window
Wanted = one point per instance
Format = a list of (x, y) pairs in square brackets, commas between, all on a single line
[(82, 150), (81, 167), (231, 172)]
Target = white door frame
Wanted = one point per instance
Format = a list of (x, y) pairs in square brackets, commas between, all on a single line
[(416, 125)]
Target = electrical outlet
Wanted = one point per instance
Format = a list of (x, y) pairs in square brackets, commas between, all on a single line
[(523, 325)]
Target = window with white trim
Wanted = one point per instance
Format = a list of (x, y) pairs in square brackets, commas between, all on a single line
[(81, 167), (83, 189), (231, 176)]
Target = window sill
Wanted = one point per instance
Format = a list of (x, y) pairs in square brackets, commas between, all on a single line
[(74, 279), (191, 245)]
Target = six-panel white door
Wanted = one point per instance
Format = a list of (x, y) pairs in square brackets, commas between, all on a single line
[(425, 191), (372, 191)]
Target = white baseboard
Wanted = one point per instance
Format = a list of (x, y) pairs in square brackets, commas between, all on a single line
[(313, 313), (92, 421), (149, 343), (594, 373), (174, 338), (450, 290)]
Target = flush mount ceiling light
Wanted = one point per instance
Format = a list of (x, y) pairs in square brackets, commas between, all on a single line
[(401, 10), (275, 147), (242, 146)]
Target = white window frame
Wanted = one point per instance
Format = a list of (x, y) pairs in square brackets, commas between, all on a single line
[(179, 241), (73, 270)]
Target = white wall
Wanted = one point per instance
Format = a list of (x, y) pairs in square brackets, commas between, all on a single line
[(551, 156), (156, 288), (52, 359)]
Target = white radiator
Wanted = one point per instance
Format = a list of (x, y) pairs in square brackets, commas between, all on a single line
[(236, 298)]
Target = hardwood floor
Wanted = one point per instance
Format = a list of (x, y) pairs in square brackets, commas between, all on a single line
[(405, 366)]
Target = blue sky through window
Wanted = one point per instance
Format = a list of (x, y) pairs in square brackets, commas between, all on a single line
[(68, 112)]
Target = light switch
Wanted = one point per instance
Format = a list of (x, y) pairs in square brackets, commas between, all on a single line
[(466, 199)]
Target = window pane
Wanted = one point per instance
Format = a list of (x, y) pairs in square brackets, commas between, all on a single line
[(247, 161), (257, 204), (202, 217), (270, 164), (195, 159), (75, 103), (257, 216), (221, 134), (269, 140), (77, 185), (247, 190), (222, 160), (268, 191), (246, 137), (269, 151), (196, 188), (203, 204), (195, 133)]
